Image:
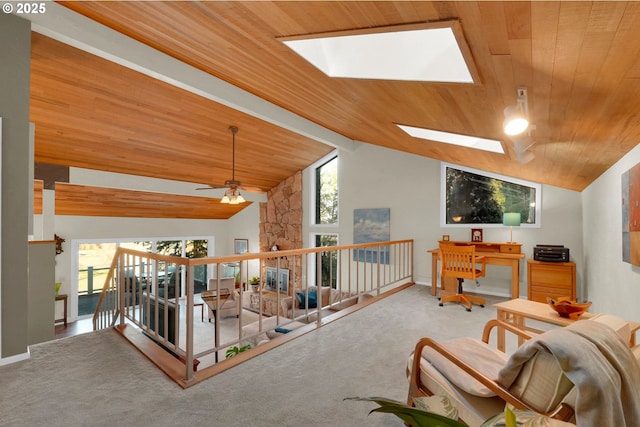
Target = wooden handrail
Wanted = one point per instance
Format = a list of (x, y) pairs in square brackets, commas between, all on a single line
[(105, 287), (395, 268)]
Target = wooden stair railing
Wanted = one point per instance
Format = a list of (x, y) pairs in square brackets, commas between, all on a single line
[(128, 299)]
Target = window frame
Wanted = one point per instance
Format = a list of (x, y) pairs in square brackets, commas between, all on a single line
[(313, 194), (443, 197)]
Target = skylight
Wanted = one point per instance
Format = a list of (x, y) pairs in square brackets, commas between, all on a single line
[(455, 139), (426, 52)]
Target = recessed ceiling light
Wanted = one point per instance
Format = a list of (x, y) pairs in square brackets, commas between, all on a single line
[(455, 139), (434, 52)]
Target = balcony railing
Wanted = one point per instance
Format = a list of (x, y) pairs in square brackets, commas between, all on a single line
[(156, 294)]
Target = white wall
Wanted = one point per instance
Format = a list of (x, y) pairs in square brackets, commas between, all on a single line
[(376, 177), (611, 284), (370, 177)]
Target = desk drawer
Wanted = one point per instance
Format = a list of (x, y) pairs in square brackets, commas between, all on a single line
[(540, 293), (549, 279), (510, 249)]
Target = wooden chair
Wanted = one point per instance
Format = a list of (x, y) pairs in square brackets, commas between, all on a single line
[(460, 262), (465, 371), (477, 379)]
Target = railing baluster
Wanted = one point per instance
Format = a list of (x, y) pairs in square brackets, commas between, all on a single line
[(189, 344), (135, 276)]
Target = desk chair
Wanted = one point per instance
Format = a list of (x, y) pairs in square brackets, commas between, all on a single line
[(460, 262)]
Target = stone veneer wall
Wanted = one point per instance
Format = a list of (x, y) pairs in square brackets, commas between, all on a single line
[(281, 224)]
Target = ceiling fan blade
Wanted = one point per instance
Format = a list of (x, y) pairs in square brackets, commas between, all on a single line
[(251, 189), (211, 187)]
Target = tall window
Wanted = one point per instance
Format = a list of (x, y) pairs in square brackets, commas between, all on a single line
[(328, 260), (326, 202), (323, 270)]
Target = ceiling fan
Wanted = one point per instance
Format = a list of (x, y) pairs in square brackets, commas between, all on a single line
[(232, 194)]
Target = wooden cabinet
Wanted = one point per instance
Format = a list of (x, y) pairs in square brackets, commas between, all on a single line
[(550, 279)]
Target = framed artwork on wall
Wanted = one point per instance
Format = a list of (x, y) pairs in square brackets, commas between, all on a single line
[(240, 246), (631, 215), (370, 226), (476, 234)]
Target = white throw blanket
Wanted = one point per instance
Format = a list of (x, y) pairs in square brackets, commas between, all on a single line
[(601, 366)]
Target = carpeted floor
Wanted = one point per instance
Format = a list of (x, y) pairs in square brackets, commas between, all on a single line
[(97, 379)]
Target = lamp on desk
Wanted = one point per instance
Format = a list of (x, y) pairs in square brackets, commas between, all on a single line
[(512, 219)]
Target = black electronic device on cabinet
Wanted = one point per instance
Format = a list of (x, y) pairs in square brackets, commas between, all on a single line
[(551, 253)]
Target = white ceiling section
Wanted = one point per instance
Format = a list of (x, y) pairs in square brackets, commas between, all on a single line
[(455, 139)]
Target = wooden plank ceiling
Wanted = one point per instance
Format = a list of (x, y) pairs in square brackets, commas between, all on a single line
[(72, 199), (578, 60)]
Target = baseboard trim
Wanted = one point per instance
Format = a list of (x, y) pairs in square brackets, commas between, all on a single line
[(13, 359), (479, 290)]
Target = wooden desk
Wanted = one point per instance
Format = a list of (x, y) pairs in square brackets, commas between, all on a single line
[(517, 311), (505, 254)]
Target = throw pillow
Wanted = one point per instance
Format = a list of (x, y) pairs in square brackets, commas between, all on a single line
[(302, 300), (283, 330)]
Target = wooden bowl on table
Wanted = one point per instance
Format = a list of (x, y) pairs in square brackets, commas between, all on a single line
[(567, 308)]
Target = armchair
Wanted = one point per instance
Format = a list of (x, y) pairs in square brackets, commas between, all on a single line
[(584, 373), (232, 305)]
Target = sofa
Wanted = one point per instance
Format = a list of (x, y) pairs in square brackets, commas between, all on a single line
[(149, 303), (330, 301)]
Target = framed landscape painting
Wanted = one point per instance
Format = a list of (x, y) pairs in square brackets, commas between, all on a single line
[(241, 246), (370, 226)]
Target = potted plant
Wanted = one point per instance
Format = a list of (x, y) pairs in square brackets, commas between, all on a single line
[(235, 350), (255, 283), (421, 418)]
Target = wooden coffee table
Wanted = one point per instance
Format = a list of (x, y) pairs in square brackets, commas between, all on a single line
[(517, 311)]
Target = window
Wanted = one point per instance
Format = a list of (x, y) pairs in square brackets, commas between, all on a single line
[(471, 196), (93, 260), (328, 260), (326, 190), (324, 220)]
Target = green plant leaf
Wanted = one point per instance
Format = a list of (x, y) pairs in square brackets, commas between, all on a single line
[(415, 417), (232, 351), (510, 418)]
